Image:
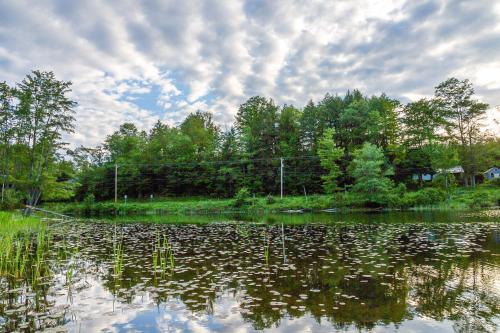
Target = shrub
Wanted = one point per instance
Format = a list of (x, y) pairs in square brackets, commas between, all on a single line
[(89, 200), (12, 199), (241, 197), (270, 199), (495, 182), (480, 199), (423, 197)]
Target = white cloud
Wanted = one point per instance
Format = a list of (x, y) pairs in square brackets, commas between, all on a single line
[(212, 55)]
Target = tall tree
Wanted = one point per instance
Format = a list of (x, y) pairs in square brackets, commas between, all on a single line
[(203, 132), (45, 111), (370, 172), (464, 114), (422, 128), (421, 123), (329, 155), (383, 127), (258, 127), (7, 132)]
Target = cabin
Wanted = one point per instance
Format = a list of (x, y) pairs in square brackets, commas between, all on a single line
[(492, 173), (426, 177), (457, 170)]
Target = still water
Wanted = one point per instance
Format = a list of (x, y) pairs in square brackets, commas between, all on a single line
[(386, 272)]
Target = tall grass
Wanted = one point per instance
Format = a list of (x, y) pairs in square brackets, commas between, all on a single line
[(118, 254), (163, 255), (13, 224), (23, 244)]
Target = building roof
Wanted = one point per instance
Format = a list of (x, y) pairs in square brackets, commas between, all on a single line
[(455, 169), (493, 169)]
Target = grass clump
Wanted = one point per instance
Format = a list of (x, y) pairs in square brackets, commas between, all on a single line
[(23, 242), (13, 224)]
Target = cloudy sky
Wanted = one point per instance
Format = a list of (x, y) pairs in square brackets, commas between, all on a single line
[(146, 60)]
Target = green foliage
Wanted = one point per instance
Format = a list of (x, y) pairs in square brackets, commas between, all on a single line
[(370, 174), (329, 155), (495, 182), (463, 114), (270, 200), (12, 199), (198, 158), (423, 197), (12, 224), (33, 117), (89, 200), (241, 198)]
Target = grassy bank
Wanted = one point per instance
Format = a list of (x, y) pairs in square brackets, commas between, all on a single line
[(22, 241), (426, 199), (14, 224)]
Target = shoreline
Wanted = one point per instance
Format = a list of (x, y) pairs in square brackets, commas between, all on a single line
[(460, 201)]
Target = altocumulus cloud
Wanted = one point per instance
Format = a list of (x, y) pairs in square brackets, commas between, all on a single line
[(146, 60)]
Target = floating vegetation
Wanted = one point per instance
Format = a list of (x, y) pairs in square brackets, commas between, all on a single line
[(341, 275)]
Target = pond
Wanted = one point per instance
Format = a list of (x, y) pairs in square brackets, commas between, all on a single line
[(404, 272)]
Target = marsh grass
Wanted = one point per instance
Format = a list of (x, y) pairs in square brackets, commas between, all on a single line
[(17, 244), (163, 255), (118, 254), (266, 246)]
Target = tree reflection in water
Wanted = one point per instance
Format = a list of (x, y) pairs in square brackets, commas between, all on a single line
[(357, 276)]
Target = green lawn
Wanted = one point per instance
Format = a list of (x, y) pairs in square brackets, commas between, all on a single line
[(461, 199)]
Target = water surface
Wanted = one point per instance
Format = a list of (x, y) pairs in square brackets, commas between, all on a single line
[(404, 272)]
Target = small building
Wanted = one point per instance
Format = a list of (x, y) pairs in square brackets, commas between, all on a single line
[(455, 170), (492, 173), (426, 177)]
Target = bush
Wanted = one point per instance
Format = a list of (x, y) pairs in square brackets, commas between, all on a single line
[(241, 197), (495, 182), (480, 199), (395, 197), (89, 200), (12, 199), (423, 197), (270, 200)]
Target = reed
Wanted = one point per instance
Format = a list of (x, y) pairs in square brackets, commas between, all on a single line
[(118, 255), (163, 255)]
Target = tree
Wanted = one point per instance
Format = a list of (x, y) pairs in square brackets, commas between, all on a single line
[(444, 157), (7, 132), (309, 127), (329, 156), (44, 112), (422, 125), (257, 123), (258, 128), (464, 115), (370, 173), (421, 122), (383, 124), (203, 132)]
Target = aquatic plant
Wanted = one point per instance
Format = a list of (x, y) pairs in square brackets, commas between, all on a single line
[(163, 255), (118, 255)]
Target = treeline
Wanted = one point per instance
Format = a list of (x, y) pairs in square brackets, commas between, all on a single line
[(368, 145)]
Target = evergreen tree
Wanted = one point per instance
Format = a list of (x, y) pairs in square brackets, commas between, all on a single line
[(371, 173)]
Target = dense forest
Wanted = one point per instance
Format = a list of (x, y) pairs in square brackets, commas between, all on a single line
[(374, 146)]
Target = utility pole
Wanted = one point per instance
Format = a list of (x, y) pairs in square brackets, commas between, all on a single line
[(281, 169), (116, 183)]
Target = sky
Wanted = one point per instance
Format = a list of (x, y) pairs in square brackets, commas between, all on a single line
[(141, 61)]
